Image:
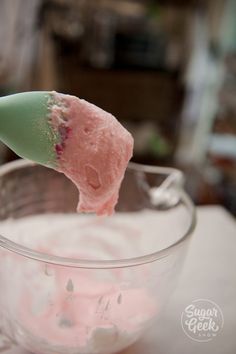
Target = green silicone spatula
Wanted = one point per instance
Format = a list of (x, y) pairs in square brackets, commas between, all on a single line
[(25, 126)]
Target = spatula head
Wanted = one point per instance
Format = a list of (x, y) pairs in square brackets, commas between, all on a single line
[(25, 126)]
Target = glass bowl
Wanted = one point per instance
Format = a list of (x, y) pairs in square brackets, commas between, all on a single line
[(78, 284)]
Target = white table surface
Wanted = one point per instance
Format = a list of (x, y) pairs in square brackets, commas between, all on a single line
[(209, 273)]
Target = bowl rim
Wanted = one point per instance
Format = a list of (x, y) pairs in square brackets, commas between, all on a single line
[(104, 264)]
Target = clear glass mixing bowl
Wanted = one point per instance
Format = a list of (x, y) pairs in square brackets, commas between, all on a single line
[(77, 284)]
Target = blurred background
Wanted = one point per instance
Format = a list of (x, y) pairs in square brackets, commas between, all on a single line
[(165, 69)]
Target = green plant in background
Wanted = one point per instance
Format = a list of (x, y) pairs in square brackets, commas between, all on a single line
[(158, 145), (154, 10)]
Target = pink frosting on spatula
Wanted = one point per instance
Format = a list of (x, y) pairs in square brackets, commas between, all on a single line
[(94, 151)]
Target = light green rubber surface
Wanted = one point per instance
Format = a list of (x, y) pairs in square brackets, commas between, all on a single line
[(25, 128)]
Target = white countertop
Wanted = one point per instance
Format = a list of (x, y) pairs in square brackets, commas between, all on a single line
[(209, 273)]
